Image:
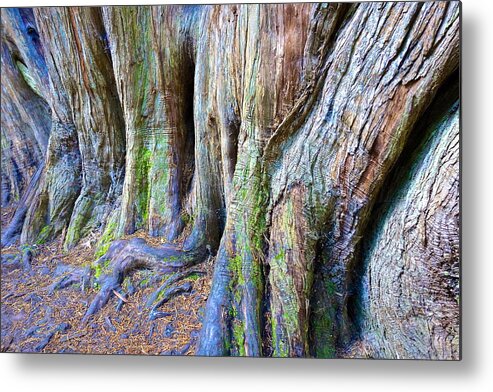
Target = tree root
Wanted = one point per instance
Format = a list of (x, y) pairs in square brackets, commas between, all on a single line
[(59, 328), (168, 294), (125, 256), (109, 324), (11, 262), (15, 261), (13, 231), (168, 282), (82, 276), (181, 351)]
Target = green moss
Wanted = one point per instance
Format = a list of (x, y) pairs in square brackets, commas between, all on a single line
[(280, 346), (239, 337), (143, 165), (187, 218), (44, 235), (322, 325), (237, 279), (28, 248), (73, 231), (322, 322), (126, 283), (144, 282), (290, 317), (233, 312), (246, 264), (102, 250), (171, 259), (159, 178), (160, 295), (280, 257), (27, 77), (108, 236), (258, 223), (235, 266), (81, 221), (100, 269), (193, 276), (331, 288)]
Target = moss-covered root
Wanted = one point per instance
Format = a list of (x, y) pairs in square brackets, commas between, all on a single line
[(324, 318), (125, 256), (232, 319), (167, 289)]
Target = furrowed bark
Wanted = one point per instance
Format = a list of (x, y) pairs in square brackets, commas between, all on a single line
[(360, 145), (13, 232), (75, 41), (50, 210), (22, 35), (153, 67), (49, 213), (162, 158), (363, 134), (410, 283), (25, 115), (233, 314)]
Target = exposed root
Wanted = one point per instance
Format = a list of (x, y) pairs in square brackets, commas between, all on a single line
[(164, 259), (109, 324), (168, 294), (125, 256), (168, 282), (157, 315), (14, 261), (81, 275), (182, 351), (59, 328), (33, 304), (13, 231)]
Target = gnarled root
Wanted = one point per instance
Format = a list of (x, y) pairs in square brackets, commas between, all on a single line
[(126, 256), (13, 261)]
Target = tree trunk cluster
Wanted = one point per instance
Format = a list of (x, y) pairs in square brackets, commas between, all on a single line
[(313, 149)]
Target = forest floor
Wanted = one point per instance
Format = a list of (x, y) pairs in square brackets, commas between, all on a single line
[(35, 318)]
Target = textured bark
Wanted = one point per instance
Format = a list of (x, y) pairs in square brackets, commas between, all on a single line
[(411, 279), (326, 171), (264, 135), (74, 40), (154, 75), (233, 316), (25, 115)]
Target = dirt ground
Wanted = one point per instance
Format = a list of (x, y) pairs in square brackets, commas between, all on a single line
[(34, 318)]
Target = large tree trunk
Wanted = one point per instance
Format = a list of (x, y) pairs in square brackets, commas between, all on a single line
[(413, 252), (84, 169), (25, 115), (265, 135)]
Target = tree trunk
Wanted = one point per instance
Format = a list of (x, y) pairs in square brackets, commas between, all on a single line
[(265, 135), (85, 91), (25, 114), (411, 262)]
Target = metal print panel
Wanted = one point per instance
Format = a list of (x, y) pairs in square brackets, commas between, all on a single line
[(267, 180)]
